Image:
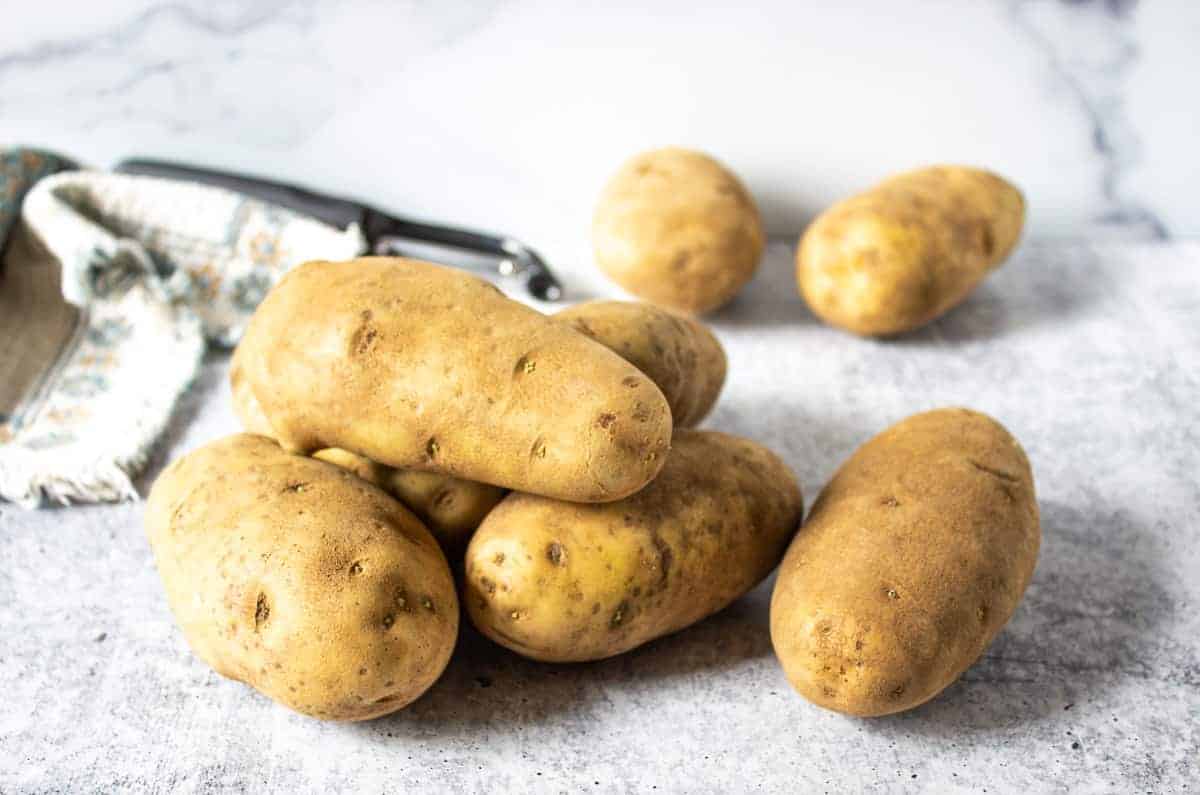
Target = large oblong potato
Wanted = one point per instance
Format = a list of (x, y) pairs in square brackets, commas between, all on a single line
[(418, 366), (901, 254), (679, 354), (675, 227), (301, 580), (914, 557), (566, 582)]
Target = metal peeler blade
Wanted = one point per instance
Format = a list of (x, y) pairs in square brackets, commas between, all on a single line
[(384, 233)]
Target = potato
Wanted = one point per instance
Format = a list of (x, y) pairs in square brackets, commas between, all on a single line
[(679, 354), (301, 580), (451, 508), (903, 253), (565, 582), (677, 228), (914, 557), (419, 366)]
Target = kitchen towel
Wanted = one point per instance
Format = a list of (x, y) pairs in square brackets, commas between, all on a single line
[(147, 270)]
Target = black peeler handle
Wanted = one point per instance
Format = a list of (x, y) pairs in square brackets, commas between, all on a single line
[(377, 227)]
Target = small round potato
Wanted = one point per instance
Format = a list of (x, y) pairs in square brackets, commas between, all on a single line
[(677, 228), (299, 579), (566, 582), (903, 253), (450, 507), (914, 557), (680, 354)]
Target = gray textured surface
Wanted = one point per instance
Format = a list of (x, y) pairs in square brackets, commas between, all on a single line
[(1090, 356)]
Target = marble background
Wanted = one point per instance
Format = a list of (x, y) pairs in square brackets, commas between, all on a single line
[(509, 114)]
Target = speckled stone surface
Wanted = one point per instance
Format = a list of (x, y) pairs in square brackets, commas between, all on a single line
[(1091, 356)]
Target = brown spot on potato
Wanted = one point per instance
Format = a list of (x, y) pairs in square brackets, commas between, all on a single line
[(356, 568), (631, 381), (443, 499), (524, 366), (427, 603), (363, 340), (388, 621), (538, 450), (556, 554), (680, 261), (890, 502), (606, 420), (294, 488), (892, 593), (619, 615), (262, 611), (665, 558), (499, 559), (431, 448), (488, 584), (401, 600), (987, 240)]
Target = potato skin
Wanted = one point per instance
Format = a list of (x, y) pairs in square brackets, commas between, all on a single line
[(914, 557), (418, 366), (451, 508), (679, 354), (245, 405), (901, 254), (565, 582), (677, 228), (301, 580)]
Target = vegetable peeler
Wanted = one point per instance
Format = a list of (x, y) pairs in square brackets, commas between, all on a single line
[(385, 234)]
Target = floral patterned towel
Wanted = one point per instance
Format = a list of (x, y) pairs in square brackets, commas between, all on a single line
[(156, 267)]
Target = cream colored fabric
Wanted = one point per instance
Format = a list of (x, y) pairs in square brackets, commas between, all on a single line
[(150, 270)]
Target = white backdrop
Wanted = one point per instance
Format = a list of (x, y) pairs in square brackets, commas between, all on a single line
[(510, 115)]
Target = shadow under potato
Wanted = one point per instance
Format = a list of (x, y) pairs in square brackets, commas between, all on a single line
[(211, 379), (1036, 285), (486, 682), (771, 298), (1088, 620)]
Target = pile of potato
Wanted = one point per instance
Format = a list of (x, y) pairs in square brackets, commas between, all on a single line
[(416, 441)]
